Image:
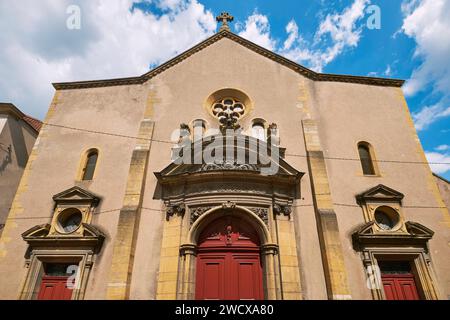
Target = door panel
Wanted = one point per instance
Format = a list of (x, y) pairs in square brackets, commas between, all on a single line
[(210, 277), (390, 290), (54, 288), (249, 276), (408, 289), (400, 287)]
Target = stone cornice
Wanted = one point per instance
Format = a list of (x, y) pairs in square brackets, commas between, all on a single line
[(246, 43)]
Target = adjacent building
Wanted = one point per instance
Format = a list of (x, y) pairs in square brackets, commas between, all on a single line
[(18, 133)]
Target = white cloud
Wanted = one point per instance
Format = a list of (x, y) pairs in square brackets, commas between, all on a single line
[(257, 30), (429, 114), (426, 21), (439, 162), (442, 147), (336, 33), (114, 41), (427, 24), (292, 31)]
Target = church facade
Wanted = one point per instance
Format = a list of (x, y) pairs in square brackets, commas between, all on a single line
[(228, 172)]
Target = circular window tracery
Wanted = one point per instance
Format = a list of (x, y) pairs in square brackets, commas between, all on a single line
[(228, 111), (386, 218)]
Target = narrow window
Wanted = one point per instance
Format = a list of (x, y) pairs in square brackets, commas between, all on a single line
[(258, 130), (89, 168), (366, 159)]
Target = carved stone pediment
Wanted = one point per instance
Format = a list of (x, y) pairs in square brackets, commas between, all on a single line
[(183, 180), (76, 194), (39, 231), (380, 193), (416, 234), (418, 230), (39, 237), (253, 161)]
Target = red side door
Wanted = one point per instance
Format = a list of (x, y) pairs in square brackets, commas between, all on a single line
[(400, 287), (54, 288)]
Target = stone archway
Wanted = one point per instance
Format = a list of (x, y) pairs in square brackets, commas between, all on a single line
[(258, 249)]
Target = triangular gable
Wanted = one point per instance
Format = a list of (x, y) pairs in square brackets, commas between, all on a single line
[(244, 42), (416, 234), (76, 194), (380, 192)]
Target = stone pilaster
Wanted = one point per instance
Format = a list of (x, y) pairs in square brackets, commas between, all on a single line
[(331, 247), (168, 276), (127, 229), (289, 268)]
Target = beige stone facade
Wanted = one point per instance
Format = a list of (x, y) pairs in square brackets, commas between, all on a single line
[(142, 215)]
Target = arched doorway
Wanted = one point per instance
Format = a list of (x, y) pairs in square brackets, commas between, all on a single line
[(229, 261)]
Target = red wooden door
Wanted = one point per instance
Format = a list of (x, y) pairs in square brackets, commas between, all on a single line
[(55, 288), (400, 287), (228, 262)]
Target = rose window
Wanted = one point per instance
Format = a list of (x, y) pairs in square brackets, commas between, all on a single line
[(228, 111)]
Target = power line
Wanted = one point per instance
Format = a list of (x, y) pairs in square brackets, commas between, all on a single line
[(287, 154), (162, 210), (107, 133)]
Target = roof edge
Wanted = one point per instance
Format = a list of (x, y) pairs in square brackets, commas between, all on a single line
[(11, 109), (440, 177), (246, 43)]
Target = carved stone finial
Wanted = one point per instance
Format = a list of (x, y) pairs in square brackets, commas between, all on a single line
[(224, 17)]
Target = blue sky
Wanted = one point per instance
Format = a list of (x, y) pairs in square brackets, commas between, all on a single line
[(124, 38)]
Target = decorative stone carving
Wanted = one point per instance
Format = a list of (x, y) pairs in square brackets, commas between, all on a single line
[(184, 127), (228, 111), (228, 205), (229, 165), (175, 209), (282, 209), (262, 213), (224, 18), (197, 212)]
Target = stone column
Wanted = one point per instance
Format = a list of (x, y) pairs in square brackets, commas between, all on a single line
[(271, 285), (186, 287)]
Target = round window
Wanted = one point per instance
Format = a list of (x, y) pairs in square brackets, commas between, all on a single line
[(228, 111), (69, 220), (386, 218)]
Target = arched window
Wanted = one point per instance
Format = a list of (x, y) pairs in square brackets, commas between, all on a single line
[(259, 130), (89, 166), (366, 158)]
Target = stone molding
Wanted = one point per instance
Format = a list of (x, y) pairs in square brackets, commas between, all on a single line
[(246, 43)]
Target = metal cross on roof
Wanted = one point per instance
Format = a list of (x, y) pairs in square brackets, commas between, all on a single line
[(224, 17)]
